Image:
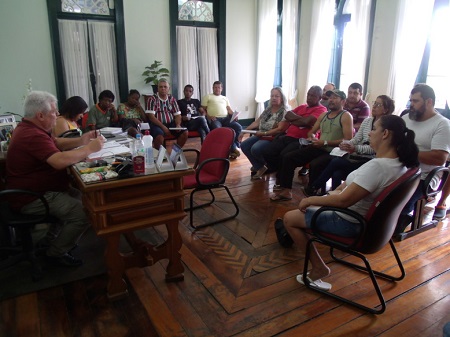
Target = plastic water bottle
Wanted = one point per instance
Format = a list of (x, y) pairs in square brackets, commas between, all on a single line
[(139, 156), (148, 145)]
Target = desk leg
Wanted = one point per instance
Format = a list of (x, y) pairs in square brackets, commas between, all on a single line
[(117, 287), (175, 269)]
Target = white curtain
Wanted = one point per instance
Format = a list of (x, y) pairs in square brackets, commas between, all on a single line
[(74, 54), (354, 53), (207, 58), (411, 33), (103, 53), (187, 59), (197, 54), (321, 37), (266, 54), (290, 46)]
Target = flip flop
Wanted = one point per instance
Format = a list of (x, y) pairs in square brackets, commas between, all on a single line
[(279, 197), (319, 284)]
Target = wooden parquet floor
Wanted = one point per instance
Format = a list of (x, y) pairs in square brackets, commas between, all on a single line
[(240, 282)]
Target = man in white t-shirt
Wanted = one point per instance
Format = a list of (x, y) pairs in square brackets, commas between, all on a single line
[(432, 138), (219, 113)]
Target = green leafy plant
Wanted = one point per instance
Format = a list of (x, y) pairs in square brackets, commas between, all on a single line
[(155, 72)]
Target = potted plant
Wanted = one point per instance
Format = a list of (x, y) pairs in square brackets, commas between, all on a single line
[(154, 73)]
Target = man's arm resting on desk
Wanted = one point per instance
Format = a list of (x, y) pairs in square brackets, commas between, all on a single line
[(70, 143), (61, 160)]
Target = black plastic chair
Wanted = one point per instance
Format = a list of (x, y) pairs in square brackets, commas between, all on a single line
[(429, 193), (21, 225), (377, 228)]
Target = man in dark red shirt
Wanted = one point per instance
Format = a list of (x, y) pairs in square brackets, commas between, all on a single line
[(38, 162), (354, 104)]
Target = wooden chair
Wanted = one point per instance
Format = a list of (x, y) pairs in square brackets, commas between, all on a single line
[(211, 169), (429, 193), (13, 221), (377, 228)]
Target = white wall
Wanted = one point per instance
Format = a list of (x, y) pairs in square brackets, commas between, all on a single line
[(26, 48), (241, 56), (147, 32), (26, 52)]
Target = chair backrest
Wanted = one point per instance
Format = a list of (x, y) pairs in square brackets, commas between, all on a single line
[(384, 212), (217, 144)]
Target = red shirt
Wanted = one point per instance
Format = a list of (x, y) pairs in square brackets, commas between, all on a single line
[(305, 111), (26, 163)]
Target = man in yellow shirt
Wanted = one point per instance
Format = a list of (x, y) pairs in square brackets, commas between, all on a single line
[(219, 113)]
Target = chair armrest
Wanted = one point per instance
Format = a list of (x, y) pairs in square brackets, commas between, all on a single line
[(443, 172), (4, 196), (222, 178), (333, 238), (197, 156)]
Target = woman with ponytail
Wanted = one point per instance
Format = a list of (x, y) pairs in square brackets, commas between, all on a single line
[(395, 151)]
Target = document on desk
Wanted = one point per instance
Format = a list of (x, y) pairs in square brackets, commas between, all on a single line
[(110, 148)]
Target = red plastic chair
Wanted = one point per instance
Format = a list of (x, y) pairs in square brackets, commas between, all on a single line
[(377, 228), (211, 169)]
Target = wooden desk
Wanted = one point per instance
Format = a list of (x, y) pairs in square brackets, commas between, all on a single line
[(121, 206)]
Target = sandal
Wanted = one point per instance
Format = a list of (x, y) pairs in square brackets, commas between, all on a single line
[(319, 284), (440, 212), (280, 197)]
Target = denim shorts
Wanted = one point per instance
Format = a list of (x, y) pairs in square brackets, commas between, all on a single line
[(331, 222)]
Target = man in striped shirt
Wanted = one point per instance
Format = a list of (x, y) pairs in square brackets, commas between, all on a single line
[(165, 116)]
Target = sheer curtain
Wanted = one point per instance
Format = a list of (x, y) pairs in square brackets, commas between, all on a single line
[(267, 39), (74, 54), (187, 59), (321, 37), (290, 47), (197, 56), (103, 53), (412, 31), (354, 53), (207, 58)]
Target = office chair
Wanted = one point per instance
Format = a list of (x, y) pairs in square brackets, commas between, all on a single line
[(22, 224), (211, 169), (377, 228)]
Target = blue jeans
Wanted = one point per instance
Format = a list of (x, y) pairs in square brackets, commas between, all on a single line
[(225, 122), (253, 148), (198, 124), (331, 222), (338, 169)]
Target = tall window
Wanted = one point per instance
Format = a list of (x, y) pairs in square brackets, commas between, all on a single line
[(349, 57), (435, 67), (87, 60), (198, 39)]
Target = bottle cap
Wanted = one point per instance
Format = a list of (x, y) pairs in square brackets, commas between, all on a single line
[(138, 136), (147, 133)]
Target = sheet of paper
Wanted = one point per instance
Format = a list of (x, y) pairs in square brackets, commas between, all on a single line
[(249, 131), (110, 150), (338, 152), (111, 130), (235, 114), (177, 129)]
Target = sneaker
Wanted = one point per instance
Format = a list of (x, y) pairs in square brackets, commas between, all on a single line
[(309, 191), (65, 260), (440, 212), (259, 173)]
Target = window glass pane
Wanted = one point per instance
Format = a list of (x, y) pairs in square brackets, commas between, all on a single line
[(439, 66), (193, 10), (98, 7)]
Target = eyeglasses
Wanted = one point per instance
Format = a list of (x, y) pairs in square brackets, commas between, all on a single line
[(376, 104)]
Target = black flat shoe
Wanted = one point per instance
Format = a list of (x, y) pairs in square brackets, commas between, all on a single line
[(65, 260)]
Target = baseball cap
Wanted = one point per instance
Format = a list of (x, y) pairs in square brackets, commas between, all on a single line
[(337, 92)]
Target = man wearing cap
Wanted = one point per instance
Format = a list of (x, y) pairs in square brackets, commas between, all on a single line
[(335, 125), (354, 104)]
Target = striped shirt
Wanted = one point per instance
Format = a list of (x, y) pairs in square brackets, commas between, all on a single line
[(164, 110)]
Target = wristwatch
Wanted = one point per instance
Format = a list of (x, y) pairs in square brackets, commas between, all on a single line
[(325, 143)]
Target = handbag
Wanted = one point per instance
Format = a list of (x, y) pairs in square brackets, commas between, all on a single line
[(283, 236)]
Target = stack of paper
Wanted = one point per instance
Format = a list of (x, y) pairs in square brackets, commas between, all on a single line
[(110, 149), (111, 130)]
